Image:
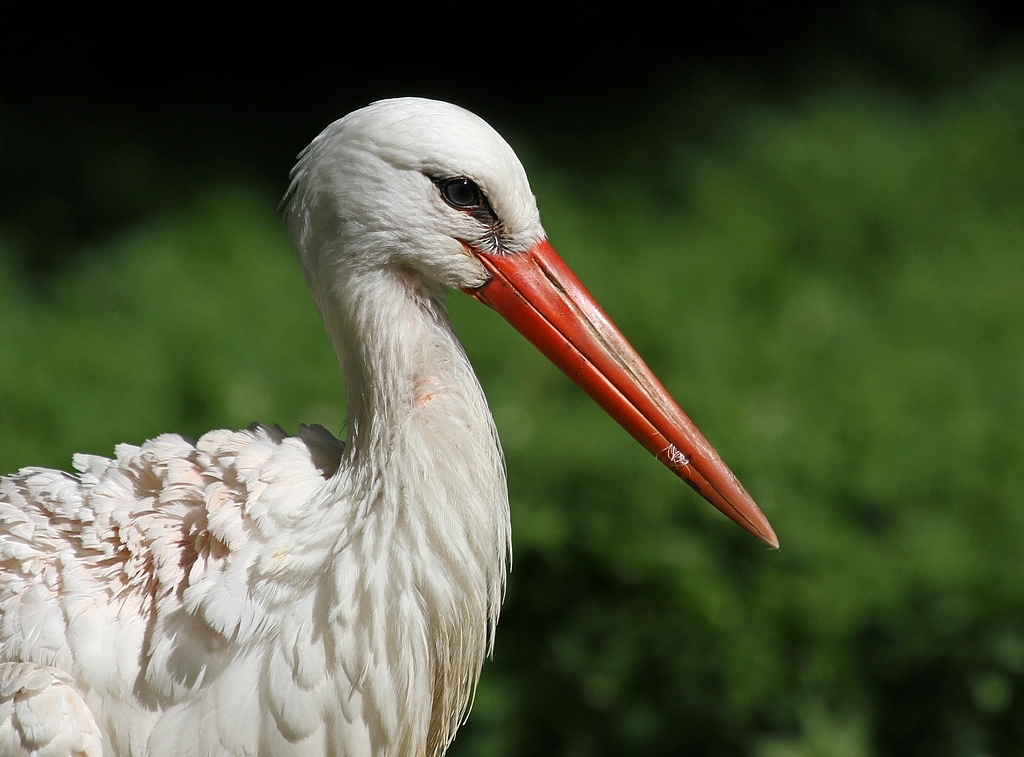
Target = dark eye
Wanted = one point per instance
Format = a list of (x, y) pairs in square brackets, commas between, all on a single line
[(462, 193)]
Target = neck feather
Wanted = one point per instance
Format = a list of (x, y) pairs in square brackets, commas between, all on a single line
[(421, 438)]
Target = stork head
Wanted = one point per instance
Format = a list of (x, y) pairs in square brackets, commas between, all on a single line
[(424, 188), (411, 184)]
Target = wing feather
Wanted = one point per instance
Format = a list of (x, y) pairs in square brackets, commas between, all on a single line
[(139, 578)]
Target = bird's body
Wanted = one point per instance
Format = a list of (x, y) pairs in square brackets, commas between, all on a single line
[(254, 593)]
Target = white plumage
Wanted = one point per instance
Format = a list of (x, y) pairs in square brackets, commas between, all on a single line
[(254, 593)]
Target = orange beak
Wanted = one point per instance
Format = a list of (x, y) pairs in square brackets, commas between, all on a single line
[(537, 293)]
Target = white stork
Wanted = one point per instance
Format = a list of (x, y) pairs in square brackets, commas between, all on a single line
[(254, 593)]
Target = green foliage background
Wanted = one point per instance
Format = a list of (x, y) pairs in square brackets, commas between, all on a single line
[(833, 287)]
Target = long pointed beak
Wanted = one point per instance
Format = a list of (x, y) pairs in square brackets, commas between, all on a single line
[(537, 293)]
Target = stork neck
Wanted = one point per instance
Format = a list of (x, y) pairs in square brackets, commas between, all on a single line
[(401, 361), (424, 463)]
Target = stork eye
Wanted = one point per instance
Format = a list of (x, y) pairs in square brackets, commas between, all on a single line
[(462, 193)]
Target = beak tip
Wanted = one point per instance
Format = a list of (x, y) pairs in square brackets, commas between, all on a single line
[(761, 528), (757, 524)]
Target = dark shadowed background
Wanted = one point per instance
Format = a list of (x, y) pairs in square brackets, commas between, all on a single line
[(810, 220)]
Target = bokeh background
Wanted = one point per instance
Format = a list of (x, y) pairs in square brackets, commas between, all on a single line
[(810, 221)]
